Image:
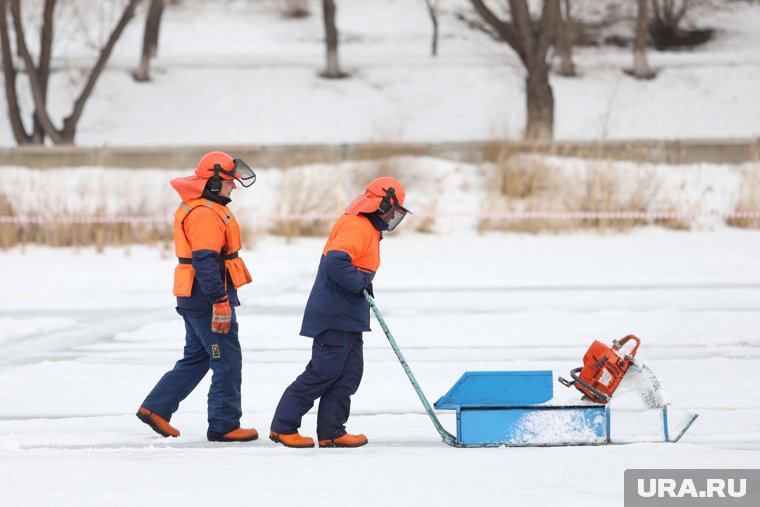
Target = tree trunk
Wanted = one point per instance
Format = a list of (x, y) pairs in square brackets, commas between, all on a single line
[(641, 68), (531, 41), (565, 41), (432, 6), (540, 103), (332, 67), (150, 39), (36, 88), (43, 68), (9, 74)]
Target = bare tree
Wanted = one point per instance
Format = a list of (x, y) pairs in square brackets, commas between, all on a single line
[(432, 6), (565, 41), (332, 67), (666, 26), (43, 72), (38, 74), (641, 69), (9, 73), (150, 39), (669, 13), (531, 41)]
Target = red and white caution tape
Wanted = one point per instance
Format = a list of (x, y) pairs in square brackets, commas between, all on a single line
[(492, 215), (615, 215)]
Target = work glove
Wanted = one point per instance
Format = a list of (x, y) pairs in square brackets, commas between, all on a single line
[(222, 317), (369, 290)]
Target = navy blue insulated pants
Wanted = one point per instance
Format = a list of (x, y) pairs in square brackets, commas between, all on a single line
[(204, 350), (332, 375)]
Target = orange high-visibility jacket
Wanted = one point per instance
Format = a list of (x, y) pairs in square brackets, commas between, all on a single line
[(205, 238), (356, 236), (349, 261)]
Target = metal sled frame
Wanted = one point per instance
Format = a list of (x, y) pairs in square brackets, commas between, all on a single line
[(453, 441), (447, 437)]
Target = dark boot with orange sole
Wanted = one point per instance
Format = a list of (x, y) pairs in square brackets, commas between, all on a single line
[(238, 435), (157, 423), (346, 440), (291, 440)]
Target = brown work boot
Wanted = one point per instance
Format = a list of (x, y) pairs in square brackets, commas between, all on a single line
[(344, 441), (238, 435), (158, 423), (291, 440)]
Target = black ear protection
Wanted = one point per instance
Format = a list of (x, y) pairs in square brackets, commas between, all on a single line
[(215, 182), (388, 201)]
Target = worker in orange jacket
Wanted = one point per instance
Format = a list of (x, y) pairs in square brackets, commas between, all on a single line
[(336, 315), (206, 279)]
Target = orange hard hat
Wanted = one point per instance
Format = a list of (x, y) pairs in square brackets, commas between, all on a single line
[(215, 164), (373, 196), (212, 159)]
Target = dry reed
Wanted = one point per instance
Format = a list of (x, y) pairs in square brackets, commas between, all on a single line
[(749, 199), (299, 197), (531, 184), (9, 232)]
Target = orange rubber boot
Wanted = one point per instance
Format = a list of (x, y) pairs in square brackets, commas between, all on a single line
[(291, 440), (238, 435), (346, 440), (158, 423)]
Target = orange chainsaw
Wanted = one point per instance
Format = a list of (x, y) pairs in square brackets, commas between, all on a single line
[(603, 369)]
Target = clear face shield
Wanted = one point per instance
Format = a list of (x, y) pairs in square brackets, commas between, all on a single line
[(394, 212), (242, 173), (394, 216)]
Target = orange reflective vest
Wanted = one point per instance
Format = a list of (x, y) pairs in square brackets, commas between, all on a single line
[(184, 273)]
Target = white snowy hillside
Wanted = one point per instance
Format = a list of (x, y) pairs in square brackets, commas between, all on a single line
[(235, 71)]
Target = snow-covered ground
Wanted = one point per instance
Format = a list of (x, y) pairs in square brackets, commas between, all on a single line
[(235, 71), (84, 336)]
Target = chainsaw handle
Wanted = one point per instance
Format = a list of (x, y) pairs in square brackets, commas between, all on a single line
[(597, 392), (618, 344)]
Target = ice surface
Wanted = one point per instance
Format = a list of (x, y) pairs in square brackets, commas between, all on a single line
[(83, 345)]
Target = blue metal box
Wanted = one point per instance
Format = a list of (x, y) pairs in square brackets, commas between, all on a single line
[(533, 426), (505, 408)]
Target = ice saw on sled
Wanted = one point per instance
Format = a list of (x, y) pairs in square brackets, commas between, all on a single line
[(605, 367), (515, 408)]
